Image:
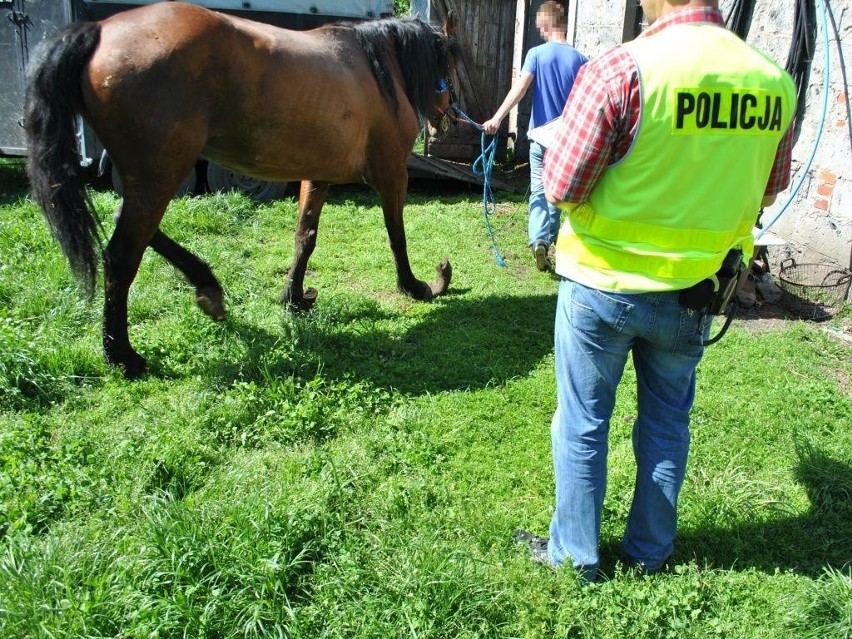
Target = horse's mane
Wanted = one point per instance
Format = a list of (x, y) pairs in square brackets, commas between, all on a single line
[(424, 55)]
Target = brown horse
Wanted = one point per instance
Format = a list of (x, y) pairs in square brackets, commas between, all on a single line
[(165, 84)]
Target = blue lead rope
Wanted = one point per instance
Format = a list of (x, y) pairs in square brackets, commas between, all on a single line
[(482, 167)]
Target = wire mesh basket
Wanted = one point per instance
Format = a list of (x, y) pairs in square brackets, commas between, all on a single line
[(813, 291)]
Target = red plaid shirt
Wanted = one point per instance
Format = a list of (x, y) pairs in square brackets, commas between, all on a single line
[(601, 119)]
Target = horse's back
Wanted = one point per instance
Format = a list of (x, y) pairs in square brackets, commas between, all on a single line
[(254, 97), (187, 47), (158, 42)]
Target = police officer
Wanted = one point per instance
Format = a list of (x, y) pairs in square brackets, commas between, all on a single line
[(666, 149)]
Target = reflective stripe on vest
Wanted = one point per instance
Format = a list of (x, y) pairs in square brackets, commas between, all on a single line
[(689, 190)]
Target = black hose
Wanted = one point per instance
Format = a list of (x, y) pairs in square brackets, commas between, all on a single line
[(801, 54), (739, 17)]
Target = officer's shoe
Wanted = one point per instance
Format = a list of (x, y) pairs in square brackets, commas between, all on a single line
[(542, 262), (536, 546)]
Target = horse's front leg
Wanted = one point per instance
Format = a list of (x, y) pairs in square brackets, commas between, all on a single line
[(312, 196), (393, 200), (208, 291)]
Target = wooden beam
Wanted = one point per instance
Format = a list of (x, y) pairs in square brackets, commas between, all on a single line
[(633, 16), (572, 23), (521, 8)]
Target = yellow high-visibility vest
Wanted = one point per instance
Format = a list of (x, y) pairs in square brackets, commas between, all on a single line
[(689, 189)]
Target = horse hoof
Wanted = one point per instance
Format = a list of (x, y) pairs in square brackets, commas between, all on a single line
[(309, 299), (209, 300), (134, 371), (132, 367), (442, 282), (422, 292), (304, 303)]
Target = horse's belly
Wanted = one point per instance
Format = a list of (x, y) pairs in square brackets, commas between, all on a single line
[(293, 159)]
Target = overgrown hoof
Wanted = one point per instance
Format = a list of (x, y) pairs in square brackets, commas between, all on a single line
[(420, 291), (301, 304), (209, 300), (309, 299), (132, 365), (442, 282)]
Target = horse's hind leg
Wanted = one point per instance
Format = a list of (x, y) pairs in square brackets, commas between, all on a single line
[(312, 196), (136, 224), (208, 292)]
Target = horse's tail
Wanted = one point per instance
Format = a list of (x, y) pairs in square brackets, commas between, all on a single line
[(53, 101)]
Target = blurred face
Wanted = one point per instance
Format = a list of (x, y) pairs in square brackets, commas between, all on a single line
[(543, 25), (546, 20)]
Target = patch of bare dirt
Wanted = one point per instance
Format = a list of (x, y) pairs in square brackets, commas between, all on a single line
[(762, 309), (764, 317)]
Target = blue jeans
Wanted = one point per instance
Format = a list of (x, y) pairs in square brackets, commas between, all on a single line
[(544, 217), (595, 332)]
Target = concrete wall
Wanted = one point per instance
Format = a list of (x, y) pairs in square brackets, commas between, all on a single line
[(817, 222)]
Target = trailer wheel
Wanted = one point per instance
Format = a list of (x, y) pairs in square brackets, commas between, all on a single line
[(187, 187), (222, 179)]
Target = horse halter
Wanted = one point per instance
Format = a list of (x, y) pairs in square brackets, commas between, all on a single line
[(445, 85)]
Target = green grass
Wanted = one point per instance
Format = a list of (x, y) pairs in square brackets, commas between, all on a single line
[(357, 471)]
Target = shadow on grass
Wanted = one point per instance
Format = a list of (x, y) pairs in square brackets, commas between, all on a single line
[(463, 344), (13, 180), (806, 543)]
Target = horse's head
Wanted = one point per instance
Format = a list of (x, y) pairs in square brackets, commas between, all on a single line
[(425, 56), (447, 51), (438, 122)]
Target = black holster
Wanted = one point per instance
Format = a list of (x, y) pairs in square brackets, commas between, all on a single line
[(714, 294)]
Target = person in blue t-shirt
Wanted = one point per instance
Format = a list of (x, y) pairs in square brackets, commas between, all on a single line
[(551, 69)]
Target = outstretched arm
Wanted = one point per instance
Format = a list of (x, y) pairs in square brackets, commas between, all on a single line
[(517, 92)]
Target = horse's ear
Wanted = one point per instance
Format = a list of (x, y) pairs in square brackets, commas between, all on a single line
[(450, 24)]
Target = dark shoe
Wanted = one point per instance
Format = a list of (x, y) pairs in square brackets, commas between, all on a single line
[(537, 546), (542, 262)]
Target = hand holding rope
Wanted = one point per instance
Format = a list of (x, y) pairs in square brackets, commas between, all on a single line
[(482, 167)]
